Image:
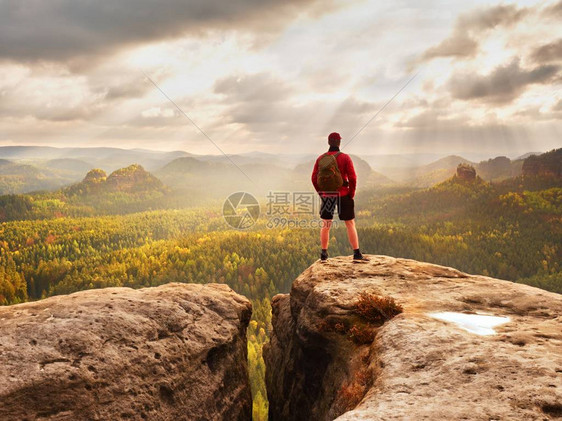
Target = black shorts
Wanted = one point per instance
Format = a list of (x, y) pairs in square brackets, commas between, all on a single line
[(345, 204)]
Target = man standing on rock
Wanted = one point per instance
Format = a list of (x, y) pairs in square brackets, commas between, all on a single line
[(335, 181)]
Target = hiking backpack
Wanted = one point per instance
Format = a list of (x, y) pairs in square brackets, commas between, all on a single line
[(329, 176)]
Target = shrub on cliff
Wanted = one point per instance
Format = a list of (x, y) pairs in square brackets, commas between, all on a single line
[(377, 309)]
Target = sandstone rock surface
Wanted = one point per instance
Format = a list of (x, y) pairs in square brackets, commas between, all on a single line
[(417, 367), (175, 352)]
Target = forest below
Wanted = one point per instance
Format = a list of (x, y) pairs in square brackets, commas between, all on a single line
[(510, 230)]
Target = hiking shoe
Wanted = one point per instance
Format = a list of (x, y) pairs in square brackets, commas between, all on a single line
[(323, 256), (358, 257)]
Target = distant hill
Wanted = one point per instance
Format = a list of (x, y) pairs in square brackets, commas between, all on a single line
[(499, 168), (548, 164), (495, 169), (440, 201), (220, 178), (126, 190), (13, 168), (430, 174), (25, 169), (106, 158), (467, 193), (31, 168), (132, 179), (22, 178), (68, 164), (189, 165), (407, 160), (110, 159), (250, 158), (451, 161), (367, 177), (217, 179), (527, 155)]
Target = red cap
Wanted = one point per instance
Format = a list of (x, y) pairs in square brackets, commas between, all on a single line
[(334, 136)]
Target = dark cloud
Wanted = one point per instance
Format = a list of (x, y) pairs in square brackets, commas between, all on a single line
[(133, 89), (537, 113), (264, 105), (258, 101), (480, 137), (484, 19), (351, 115), (59, 113), (548, 53), (51, 93), (554, 11), (470, 27), (60, 30), (82, 111), (69, 114), (50, 98), (459, 45), (110, 85), (502, 85)]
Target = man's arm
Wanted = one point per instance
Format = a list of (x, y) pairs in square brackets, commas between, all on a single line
[(352, 177), (314, 177)]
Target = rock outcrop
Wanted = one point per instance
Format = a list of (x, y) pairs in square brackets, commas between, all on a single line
[(94, 176), (466, 172), (175, 352), (133, 179), (326, 361)]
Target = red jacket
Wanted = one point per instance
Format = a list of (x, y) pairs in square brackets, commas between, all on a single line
[(347, 171)]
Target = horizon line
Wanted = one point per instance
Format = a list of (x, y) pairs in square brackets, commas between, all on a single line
[(444, 154)]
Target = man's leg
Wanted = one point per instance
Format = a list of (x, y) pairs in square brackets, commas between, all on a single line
[(325, 233), (347, 214), (352, 234), (326, 214)]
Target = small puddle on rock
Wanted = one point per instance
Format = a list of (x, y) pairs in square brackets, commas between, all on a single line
[(480, 324)]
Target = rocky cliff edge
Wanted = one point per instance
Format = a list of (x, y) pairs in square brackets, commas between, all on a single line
[(177, 352), (462, 347)]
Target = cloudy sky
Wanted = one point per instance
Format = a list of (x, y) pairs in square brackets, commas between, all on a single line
[(279, 75)]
